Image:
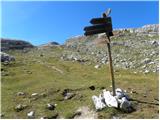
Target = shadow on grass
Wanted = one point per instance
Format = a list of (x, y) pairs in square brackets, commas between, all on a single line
[(144, 102)]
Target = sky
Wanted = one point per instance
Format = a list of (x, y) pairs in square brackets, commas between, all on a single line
[(40, 22)]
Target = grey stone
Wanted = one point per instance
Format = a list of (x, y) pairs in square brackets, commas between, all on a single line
[(20, 107), (31, 114), (50, 106), (6, 57), (34, 94), (69, 96), (146, 71), (155, 43), (97, 66), (125, 105), (20, 94), (146, 60)]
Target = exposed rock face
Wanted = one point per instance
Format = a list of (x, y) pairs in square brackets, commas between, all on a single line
[(130, 47), (9, 44), (148, 29)]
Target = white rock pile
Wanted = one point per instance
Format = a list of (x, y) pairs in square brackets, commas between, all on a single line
[(106, 99)]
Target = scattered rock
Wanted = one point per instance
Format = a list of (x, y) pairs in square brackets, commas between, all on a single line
[(69, 96), (147, 60), (133, 91), (51, 106), (146, 71), (1, 115), (67, 92), (20, 107), (31, 114), (20, 94), (34, 94), (144, 95), (155, 43), (92, 87), (97, 66)]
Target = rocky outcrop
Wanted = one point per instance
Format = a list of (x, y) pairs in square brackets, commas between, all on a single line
[(148, 29), (10, 44)]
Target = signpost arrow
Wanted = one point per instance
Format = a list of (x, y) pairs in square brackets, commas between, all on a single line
[(92, 32), (107, 27), (101, 20)]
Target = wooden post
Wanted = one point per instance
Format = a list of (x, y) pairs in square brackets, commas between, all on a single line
[(109, 52), (103, 25), (110, 65)]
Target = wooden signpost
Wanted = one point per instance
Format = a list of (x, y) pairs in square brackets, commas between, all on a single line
[(103, 25)]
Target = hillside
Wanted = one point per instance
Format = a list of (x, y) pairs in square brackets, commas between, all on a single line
[(43, 75), (12, 44), (131, 48)]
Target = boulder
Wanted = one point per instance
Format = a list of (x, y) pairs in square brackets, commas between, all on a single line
[(125, 105), (6, 57), (99, 105)]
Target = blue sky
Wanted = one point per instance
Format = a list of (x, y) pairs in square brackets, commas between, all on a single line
[(42, 22)]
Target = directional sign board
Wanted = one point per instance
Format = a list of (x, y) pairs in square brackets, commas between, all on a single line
[(101, 20), (101, 28), (100, 25), (92, 32)]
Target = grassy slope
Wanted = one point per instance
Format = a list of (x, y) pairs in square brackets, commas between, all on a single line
[(46, 80)]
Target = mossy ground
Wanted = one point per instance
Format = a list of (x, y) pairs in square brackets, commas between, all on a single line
[(32, 73)]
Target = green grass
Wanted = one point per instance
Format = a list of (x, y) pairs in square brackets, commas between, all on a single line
[(77, 77)]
